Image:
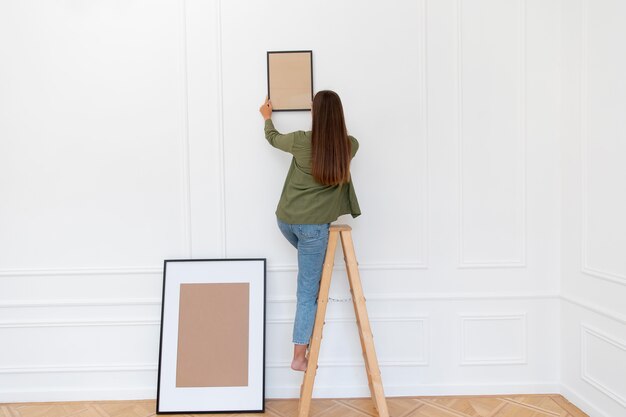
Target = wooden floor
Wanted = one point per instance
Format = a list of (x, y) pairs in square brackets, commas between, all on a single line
[(545, 405)]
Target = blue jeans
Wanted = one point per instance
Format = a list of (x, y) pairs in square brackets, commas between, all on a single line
[(311, 241)]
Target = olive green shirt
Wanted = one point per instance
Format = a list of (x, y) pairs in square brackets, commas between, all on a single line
[(304, 200)]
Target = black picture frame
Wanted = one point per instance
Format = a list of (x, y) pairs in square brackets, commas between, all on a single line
[(201, 267), (269, 88)]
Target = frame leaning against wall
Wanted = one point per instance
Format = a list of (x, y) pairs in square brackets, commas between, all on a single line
[(290, 80), (212, 343)]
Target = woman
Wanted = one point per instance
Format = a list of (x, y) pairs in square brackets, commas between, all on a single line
[(317, 190)]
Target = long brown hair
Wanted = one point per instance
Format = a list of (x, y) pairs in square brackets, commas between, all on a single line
[(331, 147)]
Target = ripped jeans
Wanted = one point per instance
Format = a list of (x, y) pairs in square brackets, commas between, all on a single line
[(311, 241)]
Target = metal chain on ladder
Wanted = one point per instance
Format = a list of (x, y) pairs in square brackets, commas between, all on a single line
[(340, 300)]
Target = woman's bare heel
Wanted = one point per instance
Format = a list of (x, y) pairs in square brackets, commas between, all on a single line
[(299, 364), (300, 361)]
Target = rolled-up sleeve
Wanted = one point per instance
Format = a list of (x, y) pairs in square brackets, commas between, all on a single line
[(276, 139), (355, 145)]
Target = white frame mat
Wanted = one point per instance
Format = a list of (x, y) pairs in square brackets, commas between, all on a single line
[(180, 400)]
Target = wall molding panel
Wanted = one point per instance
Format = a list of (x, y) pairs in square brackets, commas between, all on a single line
[(185, 197), (586, 373), (423, 322), (466, 357), (520, 259), (593, 271), (220, 125), (184, 134), (423, 122)]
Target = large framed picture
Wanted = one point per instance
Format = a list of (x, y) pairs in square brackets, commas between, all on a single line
[(290, 80), (212, 348)]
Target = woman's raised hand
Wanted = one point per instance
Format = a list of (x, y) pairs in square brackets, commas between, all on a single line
[(266, 109)]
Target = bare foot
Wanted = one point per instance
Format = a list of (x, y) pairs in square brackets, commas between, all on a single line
[(300, 361), (299, 364)]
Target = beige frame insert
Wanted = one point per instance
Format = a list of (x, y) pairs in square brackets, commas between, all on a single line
[(290, 80)]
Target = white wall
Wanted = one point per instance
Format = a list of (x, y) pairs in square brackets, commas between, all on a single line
[(131, 134), (593, 313)]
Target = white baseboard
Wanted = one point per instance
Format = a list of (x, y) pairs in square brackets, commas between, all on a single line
[(357, 391), (78, 394), (591, 409)]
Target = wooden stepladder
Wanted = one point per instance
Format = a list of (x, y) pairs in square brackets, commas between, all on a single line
[(365, 332)]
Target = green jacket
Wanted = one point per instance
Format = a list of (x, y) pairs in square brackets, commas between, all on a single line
[(304, 200)]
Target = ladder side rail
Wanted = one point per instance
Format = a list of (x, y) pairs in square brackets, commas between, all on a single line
[(365, 330), (306, 389)]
